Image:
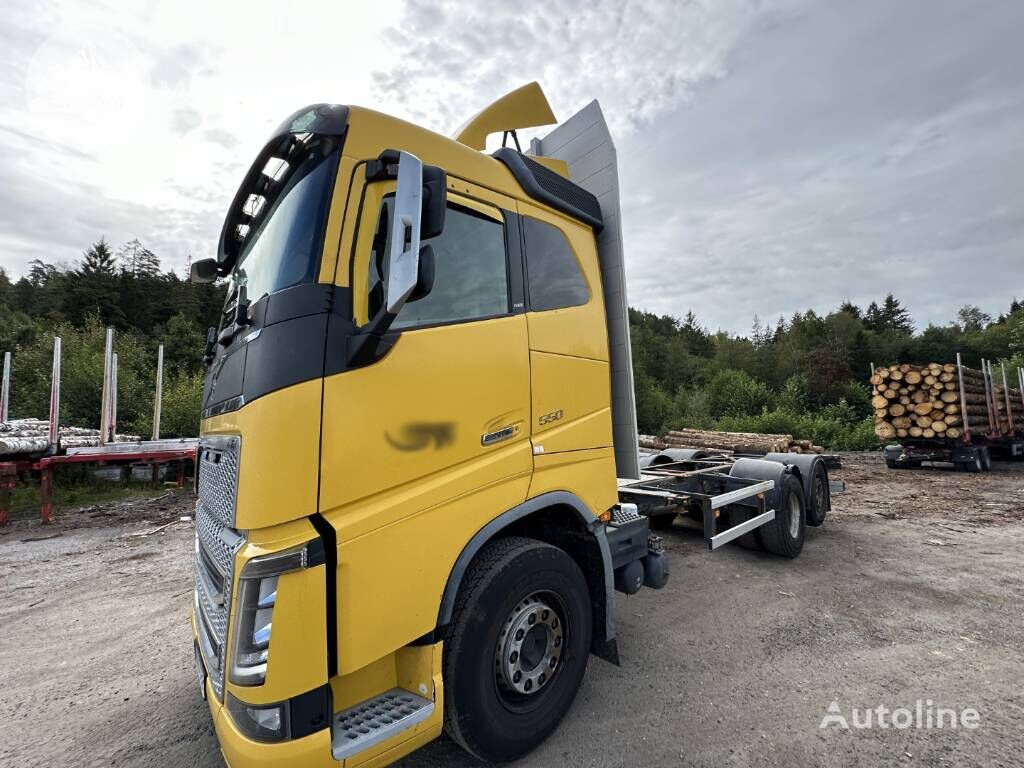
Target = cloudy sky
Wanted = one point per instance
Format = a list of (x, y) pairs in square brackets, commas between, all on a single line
[(774, 155)]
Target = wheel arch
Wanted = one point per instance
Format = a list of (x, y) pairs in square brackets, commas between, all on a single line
[(807, 464), (760, 469), (562, 519)]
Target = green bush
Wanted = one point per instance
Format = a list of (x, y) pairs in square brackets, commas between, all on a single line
[(180, 413), (831, 427), (733, 393)]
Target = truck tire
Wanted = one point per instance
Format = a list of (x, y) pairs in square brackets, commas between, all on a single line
[(735, 515), (821, 496), (973, 466), (986, 460), (517, 648), (784, 536)]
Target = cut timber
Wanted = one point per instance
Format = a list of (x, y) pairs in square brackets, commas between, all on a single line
[(897, 409), (885, 430)]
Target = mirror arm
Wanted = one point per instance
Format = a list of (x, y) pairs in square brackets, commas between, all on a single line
[(363, 346)]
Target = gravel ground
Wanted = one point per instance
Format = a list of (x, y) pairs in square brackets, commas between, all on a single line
[(911, 591)]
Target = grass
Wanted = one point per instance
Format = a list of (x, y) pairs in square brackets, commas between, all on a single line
[(76, 489)]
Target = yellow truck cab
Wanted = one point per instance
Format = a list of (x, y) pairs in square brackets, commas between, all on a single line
[(418, 481)]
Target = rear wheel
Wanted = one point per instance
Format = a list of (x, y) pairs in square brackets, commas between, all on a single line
[(735, 515), (517, 649), (986, 460), (974, 465), (784, 535), (821, 497)]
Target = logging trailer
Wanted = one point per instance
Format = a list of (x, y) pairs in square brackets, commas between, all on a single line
[(418, 476), (990, 418)]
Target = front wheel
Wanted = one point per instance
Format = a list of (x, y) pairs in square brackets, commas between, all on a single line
[(517, 649)]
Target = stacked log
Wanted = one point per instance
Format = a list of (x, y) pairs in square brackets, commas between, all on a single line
[(20, 436), (735, 442), (651, 442), (924, 402)]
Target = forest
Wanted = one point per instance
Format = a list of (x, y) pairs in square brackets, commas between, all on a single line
[(805, 375)]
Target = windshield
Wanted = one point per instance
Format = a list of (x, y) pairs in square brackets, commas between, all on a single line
[(285, 247)]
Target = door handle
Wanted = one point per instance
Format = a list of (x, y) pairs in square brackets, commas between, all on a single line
[(490, 438)]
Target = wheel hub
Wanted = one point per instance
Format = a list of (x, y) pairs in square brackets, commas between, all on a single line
[(530, 646), (794, 516)]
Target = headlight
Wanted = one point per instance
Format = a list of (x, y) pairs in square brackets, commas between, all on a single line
[(254, 609)]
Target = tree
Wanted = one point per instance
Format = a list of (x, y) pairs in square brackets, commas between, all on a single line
[(895, 317), (891, 317), (98, 261), (850, 309), (972, 320), (873, 318), (93, 288), (137, 260)]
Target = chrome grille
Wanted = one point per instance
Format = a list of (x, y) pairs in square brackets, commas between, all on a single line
[(218, 475), (217, 545)]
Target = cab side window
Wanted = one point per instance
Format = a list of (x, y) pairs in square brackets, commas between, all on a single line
[(470, 271), (555, 278)]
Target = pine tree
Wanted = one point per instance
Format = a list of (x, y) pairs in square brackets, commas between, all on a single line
[(851, 309), (873, 318), (98, 260), (895, 317)]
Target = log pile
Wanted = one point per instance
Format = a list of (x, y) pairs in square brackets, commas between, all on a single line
[(20, 436), (924, 402), (735, 442)]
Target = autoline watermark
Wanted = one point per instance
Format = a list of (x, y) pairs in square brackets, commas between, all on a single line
[(924, 714)]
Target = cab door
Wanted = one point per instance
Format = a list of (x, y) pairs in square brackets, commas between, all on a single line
[(423, 446)]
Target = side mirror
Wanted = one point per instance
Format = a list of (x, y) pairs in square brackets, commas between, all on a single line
[(425, 280), (435, 201), (403, 262), (204, 271)]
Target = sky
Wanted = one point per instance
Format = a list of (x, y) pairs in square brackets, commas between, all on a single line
[(774, 155)]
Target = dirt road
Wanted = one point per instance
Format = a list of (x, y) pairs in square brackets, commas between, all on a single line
[(912, 591)]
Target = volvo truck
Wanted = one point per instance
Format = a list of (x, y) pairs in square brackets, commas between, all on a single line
[(418, 481)]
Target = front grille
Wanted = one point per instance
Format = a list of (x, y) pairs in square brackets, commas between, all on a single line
[(217, 546), (218, 475)]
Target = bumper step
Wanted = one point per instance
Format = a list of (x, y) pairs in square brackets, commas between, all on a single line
[(374, 720)]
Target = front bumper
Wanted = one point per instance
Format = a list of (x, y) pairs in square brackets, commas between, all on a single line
[(316, 749)]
